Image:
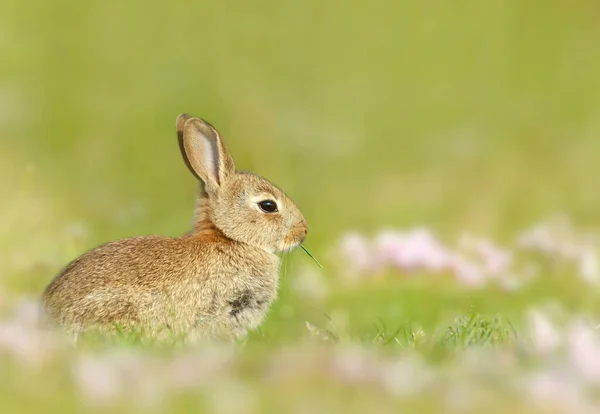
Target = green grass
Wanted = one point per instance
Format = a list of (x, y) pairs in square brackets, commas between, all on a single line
[(459, 116)]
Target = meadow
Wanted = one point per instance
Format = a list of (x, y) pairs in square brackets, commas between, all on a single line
[(445, 155)]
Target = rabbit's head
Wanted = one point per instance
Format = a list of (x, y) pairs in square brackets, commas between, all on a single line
[(243, 206)]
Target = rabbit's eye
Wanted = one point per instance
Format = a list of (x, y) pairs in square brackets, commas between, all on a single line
[(268, 206)]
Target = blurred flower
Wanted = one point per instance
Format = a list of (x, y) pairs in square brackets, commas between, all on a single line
[(141, 375), (292, 363), (584, 351), (554, 238), (544, 335), (476, 261), (21, 337), (488, 362), (415, 250), (353, 365), (419, 250), (588, 264), (558, 239), (388, 244), (466, 272), (494, 261), (405, 376), (27, 313), (537, 238), (232, 397), (196, 368), (106, 378), (26, 344), (558, 392), (357, 252), (97, 379)]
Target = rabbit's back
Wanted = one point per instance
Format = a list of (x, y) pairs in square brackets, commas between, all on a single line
[(199, 283)]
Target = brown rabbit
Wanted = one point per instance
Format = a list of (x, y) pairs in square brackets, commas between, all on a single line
[(216, 281)]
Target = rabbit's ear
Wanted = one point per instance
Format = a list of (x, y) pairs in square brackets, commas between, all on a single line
[(181, 120), (204, 152)]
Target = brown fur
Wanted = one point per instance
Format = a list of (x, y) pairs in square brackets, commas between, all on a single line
[(216, 281)]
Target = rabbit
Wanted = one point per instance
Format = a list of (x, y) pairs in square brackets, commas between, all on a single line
[(216, 281)]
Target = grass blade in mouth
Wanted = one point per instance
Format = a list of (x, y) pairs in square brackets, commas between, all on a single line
[(311, 256)]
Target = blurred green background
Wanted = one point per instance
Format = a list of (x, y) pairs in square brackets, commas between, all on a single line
[(456, 115), (460, 116)]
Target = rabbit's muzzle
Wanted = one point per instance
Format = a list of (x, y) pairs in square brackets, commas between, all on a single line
[(296, 235)]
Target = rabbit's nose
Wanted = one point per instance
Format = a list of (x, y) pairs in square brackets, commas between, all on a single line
[(302, 229), (297, 234)]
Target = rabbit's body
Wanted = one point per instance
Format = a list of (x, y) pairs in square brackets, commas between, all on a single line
[(217, 281), (213, 288)]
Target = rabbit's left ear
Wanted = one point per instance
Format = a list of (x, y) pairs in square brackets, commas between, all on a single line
[(204, 152), (180, 123)]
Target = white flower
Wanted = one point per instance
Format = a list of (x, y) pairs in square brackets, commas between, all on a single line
[(556, 390), (407, 376), (588, 264), (544, 335), (356, 250)]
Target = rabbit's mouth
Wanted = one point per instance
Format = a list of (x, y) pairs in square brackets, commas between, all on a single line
[(295, 237)]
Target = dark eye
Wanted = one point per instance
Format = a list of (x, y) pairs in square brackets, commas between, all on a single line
[(268, 206)]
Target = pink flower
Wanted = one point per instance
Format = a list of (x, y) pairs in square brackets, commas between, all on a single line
[(353, 365), (389, 245), (557, 391), (584, 351), (418, 249), (493, 260), (97, 379), (467, 272), (357, 251), (21, 337)]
